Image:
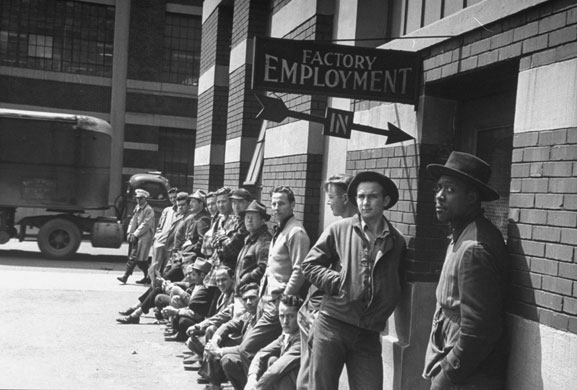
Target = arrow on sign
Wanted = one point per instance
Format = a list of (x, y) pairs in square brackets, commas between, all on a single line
[(274, 109)]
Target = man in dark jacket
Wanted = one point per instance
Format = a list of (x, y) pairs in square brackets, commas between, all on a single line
[(467, 348), (356, 263)]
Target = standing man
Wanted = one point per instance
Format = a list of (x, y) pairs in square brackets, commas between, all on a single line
[(467, 348), (173, 269), (337, 197), (338, 200), (283, 275), (159, 254), (356, 263), (140, 234)]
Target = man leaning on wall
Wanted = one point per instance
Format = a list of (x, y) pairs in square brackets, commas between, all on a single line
[(467, 347), (356, 263)]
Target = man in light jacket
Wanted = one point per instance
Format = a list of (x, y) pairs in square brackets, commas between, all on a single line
[(140, 235), (357, 264)]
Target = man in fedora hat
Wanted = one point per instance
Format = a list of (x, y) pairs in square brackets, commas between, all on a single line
[(356, 264), (140, 235), (467, 349), (252, 258)]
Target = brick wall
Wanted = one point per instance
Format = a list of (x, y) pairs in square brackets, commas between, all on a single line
[(216, 38), (543, 35), (211, 121), (208, 177), (303, 174), (543, 227), (413, 215)]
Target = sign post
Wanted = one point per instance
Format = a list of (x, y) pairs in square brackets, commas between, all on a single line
[(337, 123)]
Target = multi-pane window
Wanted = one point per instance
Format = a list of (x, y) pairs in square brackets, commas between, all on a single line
[(181, 59), (57, 35), (410, 15)]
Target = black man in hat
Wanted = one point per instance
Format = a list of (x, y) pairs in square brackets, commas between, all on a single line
[(467, 347)]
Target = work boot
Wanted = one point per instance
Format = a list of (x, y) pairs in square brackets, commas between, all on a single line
[(128, 320)]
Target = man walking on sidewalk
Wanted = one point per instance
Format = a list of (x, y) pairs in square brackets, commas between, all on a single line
[(140, 234)]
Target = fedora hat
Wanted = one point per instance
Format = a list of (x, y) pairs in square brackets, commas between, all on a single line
[(202, 265), (199, 195), (468, 168), (389, 188), (257, 207)]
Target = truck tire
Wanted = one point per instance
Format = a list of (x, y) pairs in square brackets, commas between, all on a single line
[(59, 238)]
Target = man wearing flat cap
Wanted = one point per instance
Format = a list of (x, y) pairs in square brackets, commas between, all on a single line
[(140, 235), (356, 264), (190, 235), (467, 347)]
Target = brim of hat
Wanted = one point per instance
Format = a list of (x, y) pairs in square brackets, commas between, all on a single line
[(389, 187), (238, 198), (266, 217), (487, 193)]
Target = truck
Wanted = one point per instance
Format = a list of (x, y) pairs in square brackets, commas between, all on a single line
[(58, 168)]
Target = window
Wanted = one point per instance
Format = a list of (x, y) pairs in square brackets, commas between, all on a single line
[(61, 36), (181, 59), (176, 156)]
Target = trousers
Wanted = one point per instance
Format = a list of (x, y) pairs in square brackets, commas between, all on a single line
[(335, 344)]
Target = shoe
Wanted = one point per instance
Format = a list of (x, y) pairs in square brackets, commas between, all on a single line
[(191, 359), (170, 332), (192, 367), (127, 312), (144, 281), (128, 320), (202, 381), (175, 337), (122, 279)]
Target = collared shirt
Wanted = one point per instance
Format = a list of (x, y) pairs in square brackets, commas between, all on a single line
[(470, 304), (252, 258), (163, 227), (228, 235), (288, 249)]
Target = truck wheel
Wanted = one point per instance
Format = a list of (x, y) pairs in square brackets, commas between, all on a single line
[(59, 238)]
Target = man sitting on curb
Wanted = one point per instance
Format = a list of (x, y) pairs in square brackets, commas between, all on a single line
[(183, 318), (276, 366), (224, 340), (194, 276)]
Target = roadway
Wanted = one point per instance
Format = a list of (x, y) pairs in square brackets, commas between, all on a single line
[(58, 328)]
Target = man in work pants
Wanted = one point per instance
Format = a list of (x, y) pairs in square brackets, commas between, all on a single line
[(140, 235)]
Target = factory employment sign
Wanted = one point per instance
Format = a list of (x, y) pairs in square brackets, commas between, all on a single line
[(306, 67)]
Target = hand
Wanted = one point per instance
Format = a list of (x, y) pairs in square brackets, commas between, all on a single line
[(169, 311), (193, 330), (130, 238)]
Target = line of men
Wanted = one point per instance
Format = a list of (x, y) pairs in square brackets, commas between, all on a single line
[(268, 311)]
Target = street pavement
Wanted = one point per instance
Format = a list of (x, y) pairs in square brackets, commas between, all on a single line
[(58, 328)]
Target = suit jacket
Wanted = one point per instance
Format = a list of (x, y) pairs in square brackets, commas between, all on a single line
[(289, 357), (468, 336)]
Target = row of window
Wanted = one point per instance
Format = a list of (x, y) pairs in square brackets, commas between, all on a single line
[(77, 37)]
